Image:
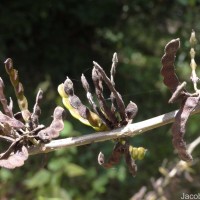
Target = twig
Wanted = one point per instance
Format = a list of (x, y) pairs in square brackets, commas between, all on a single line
[(193, 145), (7, 138), (130, 130)]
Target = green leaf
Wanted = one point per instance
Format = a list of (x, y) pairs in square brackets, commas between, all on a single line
[(73, 170), (5, 175), (67, 131), (99, 185), (57, 164), (39, 179)]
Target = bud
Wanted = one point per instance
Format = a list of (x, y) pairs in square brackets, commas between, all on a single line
[(193, 39)]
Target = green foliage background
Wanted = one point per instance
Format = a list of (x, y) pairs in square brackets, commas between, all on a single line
[(49, 40)]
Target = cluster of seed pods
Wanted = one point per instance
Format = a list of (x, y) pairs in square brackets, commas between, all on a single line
[(22, 130), (189, 101), (101, 116)]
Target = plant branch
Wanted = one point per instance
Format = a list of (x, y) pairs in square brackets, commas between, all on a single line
[(129, 130)]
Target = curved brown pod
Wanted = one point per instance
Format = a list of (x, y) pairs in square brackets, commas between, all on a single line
[(115, 157), (130, 163), (178, 127), (168, 68)]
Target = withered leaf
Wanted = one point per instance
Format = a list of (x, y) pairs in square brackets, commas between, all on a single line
[(15, 159), (178, 127)]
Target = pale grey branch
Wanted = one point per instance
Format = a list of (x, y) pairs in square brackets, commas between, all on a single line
[(129, 130)]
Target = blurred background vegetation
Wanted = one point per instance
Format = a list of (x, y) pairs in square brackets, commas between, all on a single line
[(49, 40)]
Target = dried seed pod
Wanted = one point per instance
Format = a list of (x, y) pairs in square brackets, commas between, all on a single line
[(55, 128), (130, 163), (113, 68), (12, 122), (18, 87), (112, 75), (189, 101), (92, 103), (131, 111), (36, 109), (97, 80), (168, 68), (7, 109), (74, 112), (57, 122), (15, 158), (178, 127), (119, 100), (104, 117), (123, 148), (77, 109), (115, 157)]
